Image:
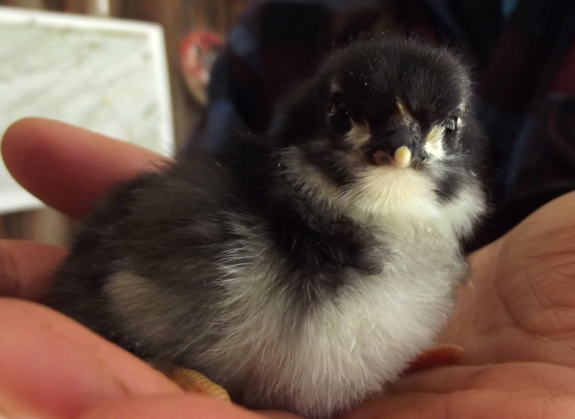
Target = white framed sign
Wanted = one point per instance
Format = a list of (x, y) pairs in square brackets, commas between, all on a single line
[(106, 75)]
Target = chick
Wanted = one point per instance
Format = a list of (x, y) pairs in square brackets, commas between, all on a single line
[(302, 270)]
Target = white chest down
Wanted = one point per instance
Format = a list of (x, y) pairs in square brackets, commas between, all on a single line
[(351, 345), (355, 343)]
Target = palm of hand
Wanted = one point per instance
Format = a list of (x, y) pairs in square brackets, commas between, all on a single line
[(520, 305)]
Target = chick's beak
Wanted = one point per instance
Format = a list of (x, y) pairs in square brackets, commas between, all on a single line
[(402, 157), (397, 147)]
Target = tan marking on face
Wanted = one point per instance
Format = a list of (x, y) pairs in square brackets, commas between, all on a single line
[(358, 135), (434, 142), (402, 112), (435, 134)]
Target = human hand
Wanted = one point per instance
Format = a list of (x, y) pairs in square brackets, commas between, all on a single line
[(502, 331)]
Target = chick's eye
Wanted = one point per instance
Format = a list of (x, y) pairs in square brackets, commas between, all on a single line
[(340, 116), (451, 125)]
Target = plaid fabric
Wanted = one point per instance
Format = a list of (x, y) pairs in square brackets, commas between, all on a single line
[(524, 58)]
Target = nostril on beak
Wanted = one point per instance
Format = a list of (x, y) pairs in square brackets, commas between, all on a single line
[(400, 137)]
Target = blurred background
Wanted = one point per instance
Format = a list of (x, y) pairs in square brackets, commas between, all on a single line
[(177, 18), (522, 55)]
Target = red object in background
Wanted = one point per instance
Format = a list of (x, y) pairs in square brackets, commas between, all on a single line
[(198, 51), (565, 80)]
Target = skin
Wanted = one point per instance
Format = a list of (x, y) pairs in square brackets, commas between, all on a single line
[(515, 318)]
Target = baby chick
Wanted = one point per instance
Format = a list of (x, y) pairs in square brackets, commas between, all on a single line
[(305, 269)]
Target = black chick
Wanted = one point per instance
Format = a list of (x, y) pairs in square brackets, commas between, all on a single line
[(303, 270)]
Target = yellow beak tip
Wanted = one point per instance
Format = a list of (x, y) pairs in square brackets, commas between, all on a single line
[(402, 157)]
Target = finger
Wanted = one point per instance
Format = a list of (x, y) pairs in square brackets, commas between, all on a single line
[(69, 167), (176, 407), (26, 267), (51, 364), (519, 304), (505, 391), (549, 218), (506, 377), (541, 259), (276, 414), (469, 404)]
